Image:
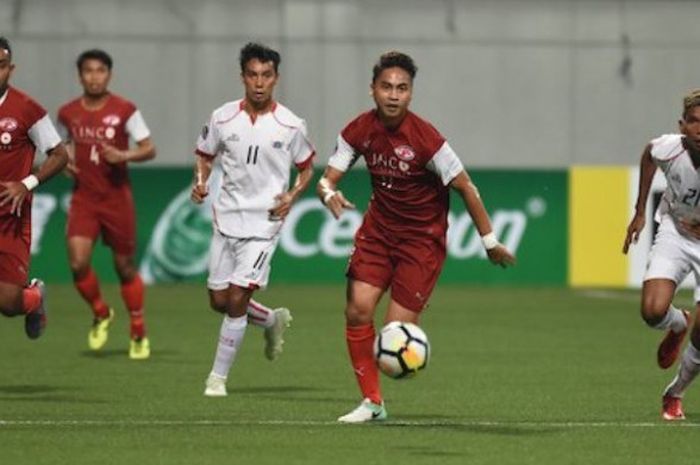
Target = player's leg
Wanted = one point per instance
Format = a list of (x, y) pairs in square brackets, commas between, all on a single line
[(361, 302), (233, 300), (16, 298), (118, 223), (88, 286), (132, 292), (668, 265)]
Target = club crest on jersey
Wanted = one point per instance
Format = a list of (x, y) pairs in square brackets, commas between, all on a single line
[(5, 138), (277, 144), (8, 124), (405, 153), (111, 120)]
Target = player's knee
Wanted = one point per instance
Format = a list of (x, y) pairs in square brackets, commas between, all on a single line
[(358, 314), (79, 268), (217, 304), (653, 310)]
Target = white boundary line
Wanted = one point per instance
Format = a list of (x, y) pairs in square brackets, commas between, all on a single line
[(408, 423)]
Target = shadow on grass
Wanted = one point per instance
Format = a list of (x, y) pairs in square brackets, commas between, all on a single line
[(466, 427), (44, 393), (276, 389), (156, 354)]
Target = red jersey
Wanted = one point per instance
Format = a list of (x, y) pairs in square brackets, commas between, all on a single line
[(113, 124), (409, 189), (24, 128)]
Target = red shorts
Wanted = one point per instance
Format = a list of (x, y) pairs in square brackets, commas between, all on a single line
[(15, 243), (411, 267), (112, 216)]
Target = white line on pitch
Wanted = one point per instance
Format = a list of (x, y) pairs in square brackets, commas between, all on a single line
[(408, 423)]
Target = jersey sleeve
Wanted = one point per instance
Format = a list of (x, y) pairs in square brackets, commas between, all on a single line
[(301, 148), (62, 130), (666, 147), (445, 163), (43, 134), (136, 127), (208, 140), (344, 156)]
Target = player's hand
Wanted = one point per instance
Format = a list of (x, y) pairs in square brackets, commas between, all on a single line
[(13, 193), (113, 155), (337, 203), (283, 205), (633, 230), (199, 193), (690, 227), (499, 255)]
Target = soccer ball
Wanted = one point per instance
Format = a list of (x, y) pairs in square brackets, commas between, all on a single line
[(401, 349)]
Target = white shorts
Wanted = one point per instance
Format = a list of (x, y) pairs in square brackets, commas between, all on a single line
[(673, 256), (244, 262)]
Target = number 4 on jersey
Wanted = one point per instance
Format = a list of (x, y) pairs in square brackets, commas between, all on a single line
[(94, 155)]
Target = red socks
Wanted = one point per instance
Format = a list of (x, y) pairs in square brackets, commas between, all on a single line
[(31, 299), (89, 289), (360, 345), (132, 293)]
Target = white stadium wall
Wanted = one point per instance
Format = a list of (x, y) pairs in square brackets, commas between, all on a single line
[(512, 83)]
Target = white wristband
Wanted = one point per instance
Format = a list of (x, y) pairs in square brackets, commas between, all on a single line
[(489, 241), (328, 196), (30, 182)]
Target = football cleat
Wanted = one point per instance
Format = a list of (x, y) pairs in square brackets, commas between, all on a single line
[(215, 386), (99, 332), (672, 408), (366, 411), (35, 322), (670, 346), (139, 349), (273, 334)]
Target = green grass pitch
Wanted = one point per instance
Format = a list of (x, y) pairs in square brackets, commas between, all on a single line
[(517, 376)]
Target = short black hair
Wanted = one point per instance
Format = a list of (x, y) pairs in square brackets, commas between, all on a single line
[(394, 59), (94, 54), (262, 52), (5, 44)]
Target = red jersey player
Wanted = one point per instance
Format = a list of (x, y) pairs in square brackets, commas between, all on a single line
[(24, 128), (98, 126), (401, 243)]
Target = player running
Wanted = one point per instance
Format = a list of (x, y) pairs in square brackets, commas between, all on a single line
[(258, 140), (401, 243), (97, 126), (676, 249), (24, 128)]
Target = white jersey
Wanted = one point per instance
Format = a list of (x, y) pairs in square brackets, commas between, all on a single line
[(256, 159), (681, 199)]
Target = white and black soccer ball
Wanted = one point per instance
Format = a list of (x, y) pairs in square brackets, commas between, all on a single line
[(401, 350)]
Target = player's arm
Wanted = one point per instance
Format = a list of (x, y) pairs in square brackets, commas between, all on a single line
[(496, 251), (143, 151), (647, 169), (16, 191), (202, 171), (284, 201), (327, 190)]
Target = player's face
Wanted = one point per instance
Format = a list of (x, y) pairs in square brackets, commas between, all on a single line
[(6, 68), (259, 80), (690, 128), (94, 77), (392, 92)]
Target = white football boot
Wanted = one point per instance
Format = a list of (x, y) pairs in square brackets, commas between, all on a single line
[(273, 334), (215, 386), (366, 411)]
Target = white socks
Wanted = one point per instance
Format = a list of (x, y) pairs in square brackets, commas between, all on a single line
[(673, 320), (230, 340), (688, 370), (260, 315)]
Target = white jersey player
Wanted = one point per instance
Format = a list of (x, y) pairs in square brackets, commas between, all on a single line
[(676, 249), (258, 141)]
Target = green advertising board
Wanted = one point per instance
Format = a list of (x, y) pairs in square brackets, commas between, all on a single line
[(528, 210)]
